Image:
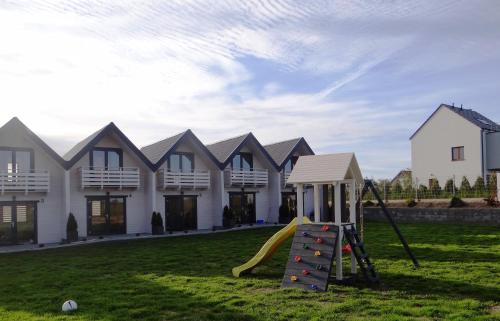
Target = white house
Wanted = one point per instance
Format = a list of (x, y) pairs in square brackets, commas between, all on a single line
[(188, 184), (108, 188), (31, 187), (455, 142), (251, 179), (112, 187), (285, 154)]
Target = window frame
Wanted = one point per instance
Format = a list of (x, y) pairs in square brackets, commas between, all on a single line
[(13, 151), (180, 154), (240, 154), (119, 151), (461, 153)]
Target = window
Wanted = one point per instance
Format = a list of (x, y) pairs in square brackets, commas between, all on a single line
[(457, 153), (290, 164), (16, 160), (108, 158), (181, 162), (242, 161)]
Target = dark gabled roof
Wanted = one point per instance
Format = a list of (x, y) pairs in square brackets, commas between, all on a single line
[(472, 116), (16, 123), (281, 151), (226, 149), (83, 147), (158, 152)]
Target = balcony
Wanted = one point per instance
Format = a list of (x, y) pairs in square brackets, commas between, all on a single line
[(32, 181), (246, 178), (284, 179), (123, 177), (183, 180)]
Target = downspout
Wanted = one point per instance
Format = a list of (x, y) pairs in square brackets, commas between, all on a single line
[(483, 157)]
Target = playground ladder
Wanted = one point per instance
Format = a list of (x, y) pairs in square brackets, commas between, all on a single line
[(358, 249)]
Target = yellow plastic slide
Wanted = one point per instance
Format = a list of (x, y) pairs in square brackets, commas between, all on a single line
[(268, 249)]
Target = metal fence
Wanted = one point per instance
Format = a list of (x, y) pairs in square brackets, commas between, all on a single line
[(462, 188)]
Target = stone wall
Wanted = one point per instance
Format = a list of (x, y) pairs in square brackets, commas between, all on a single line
[(484, 216)]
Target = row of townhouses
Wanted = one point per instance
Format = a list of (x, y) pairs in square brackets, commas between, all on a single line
[(112, 187)]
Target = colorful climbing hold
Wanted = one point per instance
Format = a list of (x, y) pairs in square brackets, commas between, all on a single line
[(314, 287), (319, 267), (305, 234), (325, 228), (306, 246), (317, 253), (294, 278), (305, 272), (319, 240), (297, 258), (346, 249)]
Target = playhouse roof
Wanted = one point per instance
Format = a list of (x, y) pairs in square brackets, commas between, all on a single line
[(325, 169)]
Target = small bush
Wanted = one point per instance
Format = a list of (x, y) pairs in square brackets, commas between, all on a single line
[(227, 217), (284, 214), (410, 202), (71, 228), (156, 224), (492, 202), (456, 202)]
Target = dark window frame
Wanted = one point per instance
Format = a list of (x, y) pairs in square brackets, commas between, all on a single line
[(180, 199), (462, 148), (188, 154), (107, 201), (240, 154), (13, 150), (105, 150), (244, 203), (292, 160), (14, 205)]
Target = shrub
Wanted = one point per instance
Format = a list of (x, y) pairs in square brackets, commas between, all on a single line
[(156, 224), (478, 186), (450, 187), (456, 202), (410, 202), (434, 187), (397, 189), (284, 214), (227, 217), (465, 188), (490, 201), (71, 228)]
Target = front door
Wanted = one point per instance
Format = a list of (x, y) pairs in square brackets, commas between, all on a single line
[(181, 212), (17, 222), (106, 215), (243, 206)]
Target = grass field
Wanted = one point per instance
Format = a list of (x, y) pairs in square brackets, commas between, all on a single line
[(189, 278)]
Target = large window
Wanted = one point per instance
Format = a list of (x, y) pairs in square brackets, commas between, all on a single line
[(16, 160), (242, 161), (181, 162), (290, 164), (457, 153), (108, 158)]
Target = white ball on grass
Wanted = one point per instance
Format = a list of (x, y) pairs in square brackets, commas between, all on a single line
[(69, 305)]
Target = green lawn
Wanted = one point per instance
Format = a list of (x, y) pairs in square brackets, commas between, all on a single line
[(189, 278)]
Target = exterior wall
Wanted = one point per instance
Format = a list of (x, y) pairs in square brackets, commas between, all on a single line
[(493, 151), (51, 222), (484, 216), (431, 149), (137, 215), (207, 209)]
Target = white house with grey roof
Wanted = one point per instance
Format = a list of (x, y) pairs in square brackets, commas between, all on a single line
[(285, 154), (251, 179), (188, 182), (112, 187), (455, 142)]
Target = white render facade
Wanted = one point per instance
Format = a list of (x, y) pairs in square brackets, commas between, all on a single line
[(112, 187), (454, 142)]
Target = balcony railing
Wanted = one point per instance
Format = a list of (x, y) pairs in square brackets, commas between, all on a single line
[(37, 181), (183, 180), (284, 178), (123, 177), (253, 177)]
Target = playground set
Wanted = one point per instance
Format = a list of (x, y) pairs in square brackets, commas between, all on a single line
[(317, 244)]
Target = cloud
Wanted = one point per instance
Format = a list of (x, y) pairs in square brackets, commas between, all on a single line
[(346, 75)]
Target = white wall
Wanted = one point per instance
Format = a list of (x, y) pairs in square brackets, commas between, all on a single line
[(431, 149), (138, 216), (51, 221)]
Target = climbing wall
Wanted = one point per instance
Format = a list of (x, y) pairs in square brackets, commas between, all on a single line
[(311, 257)]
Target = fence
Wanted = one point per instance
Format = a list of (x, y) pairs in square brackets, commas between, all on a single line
[(404, 190)]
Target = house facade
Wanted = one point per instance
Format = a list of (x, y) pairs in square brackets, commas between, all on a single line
[(454, 142), (113, 187)]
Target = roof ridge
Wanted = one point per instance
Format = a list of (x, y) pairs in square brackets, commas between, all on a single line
[(225, 140), (283, 141)]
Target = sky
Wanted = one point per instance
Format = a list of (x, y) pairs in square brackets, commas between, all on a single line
[(349, 76)]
